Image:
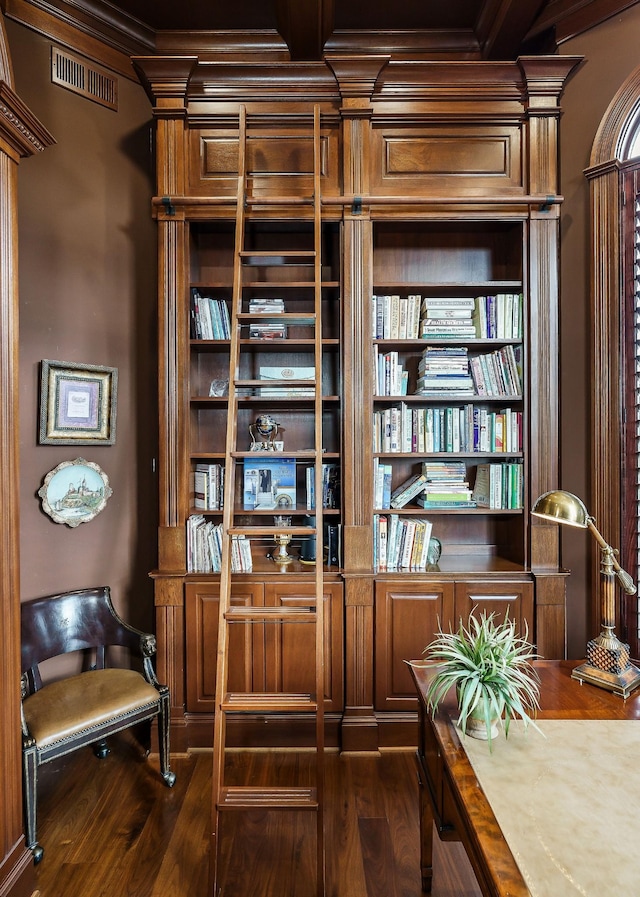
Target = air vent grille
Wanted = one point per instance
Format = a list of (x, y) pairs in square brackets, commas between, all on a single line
[(79, 76)]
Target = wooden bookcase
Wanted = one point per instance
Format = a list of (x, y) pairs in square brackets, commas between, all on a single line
[(437, 178)]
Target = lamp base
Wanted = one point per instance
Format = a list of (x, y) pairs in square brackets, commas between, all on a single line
[(622, 683)]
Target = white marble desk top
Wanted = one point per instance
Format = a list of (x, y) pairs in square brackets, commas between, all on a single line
[(568, 804)]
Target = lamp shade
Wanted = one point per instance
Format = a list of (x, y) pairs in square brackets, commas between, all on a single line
[(562, 507)]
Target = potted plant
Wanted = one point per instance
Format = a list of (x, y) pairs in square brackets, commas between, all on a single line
[(490, 666)]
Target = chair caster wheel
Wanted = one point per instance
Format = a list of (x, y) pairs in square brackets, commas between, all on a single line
[(170, 779), (38, 853), (101, 750)]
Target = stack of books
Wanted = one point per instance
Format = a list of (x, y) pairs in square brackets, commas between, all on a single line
[(446, 486), (279, 375), (444, 371), (209, 317), (396, 317), (449, 318), (401, 543), (267, 329)]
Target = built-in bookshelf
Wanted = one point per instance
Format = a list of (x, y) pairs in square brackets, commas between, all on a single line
[(440, 229), (449, 318), (277, 343)]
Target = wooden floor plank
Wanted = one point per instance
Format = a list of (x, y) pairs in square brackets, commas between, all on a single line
[(113, 829)]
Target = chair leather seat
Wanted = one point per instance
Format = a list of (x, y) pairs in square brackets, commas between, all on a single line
[(63, 709)]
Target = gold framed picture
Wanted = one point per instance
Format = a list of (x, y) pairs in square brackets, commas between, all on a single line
[(77, 403)]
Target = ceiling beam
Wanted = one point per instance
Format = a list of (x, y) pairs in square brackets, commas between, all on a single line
[(305, 26), (503, 24)]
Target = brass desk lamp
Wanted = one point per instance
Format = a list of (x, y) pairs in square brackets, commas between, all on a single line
[(608, 665)]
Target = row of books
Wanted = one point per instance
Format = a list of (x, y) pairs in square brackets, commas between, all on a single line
[(497, 316), (450, 428), (401, 543), (451, 371), (448, 318), (208, 487), (444, 370), (499, 486), (390, 377), (209, 317), (446, 486), (497, 373), (269, 484), (330, 486), (204, 548), (396, 317)]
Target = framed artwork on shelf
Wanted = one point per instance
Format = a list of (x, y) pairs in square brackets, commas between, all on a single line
[(77, 403), (75, 492)]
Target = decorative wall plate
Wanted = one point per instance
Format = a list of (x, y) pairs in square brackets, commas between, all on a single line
[(74, 492)]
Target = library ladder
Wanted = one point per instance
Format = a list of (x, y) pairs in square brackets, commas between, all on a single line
[(250, 264)]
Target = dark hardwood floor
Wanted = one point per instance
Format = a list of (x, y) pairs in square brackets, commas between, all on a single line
[(111, 828)]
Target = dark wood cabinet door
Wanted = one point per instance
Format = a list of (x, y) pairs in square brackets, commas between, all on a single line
[(512, 598), (290, 647), (246, 644), (406, 617)]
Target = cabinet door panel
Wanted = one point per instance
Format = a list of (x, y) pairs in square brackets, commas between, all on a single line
[(290, 648), (514, 598), (406, 618), (246, 661)]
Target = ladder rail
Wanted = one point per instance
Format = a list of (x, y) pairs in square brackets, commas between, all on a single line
[(238, 797), (222, 660), (319, 439)]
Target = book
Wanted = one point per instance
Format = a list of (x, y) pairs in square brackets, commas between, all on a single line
[(269, 484), (407, 491), (330, 486)]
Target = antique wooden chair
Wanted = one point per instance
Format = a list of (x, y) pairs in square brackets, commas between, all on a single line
[(81, 709)]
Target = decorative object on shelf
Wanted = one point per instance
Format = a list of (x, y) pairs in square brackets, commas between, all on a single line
[(608, 665), (434, 552), (219, 388), (282, 540), (269, 484), (74, 492), (77, 403), (266, 427), (491, 668)]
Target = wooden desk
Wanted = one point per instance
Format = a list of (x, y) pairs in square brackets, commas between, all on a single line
[(450, 794)]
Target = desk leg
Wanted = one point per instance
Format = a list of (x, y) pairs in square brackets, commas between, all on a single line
[(426, 833)]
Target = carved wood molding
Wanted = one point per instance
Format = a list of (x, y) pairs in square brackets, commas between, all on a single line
[(19, 127), (606, 298)]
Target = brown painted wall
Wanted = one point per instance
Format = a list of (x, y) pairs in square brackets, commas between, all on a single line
[(87, 283), (611, 55), (87, 294)]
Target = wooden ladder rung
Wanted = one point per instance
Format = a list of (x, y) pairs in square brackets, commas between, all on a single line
[(262, 254), (268, 702), (252, 797), (271, 530)]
